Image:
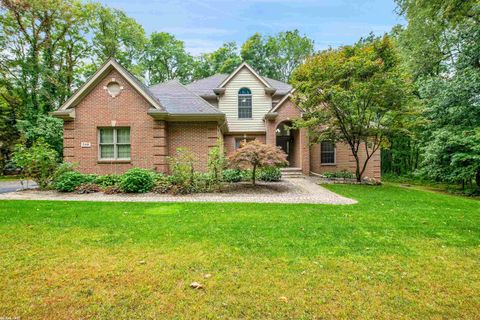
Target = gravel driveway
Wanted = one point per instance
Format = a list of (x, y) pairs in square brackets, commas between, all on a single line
[(296, 190)]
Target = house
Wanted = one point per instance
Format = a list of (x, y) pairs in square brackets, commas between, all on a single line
[(114, 122)]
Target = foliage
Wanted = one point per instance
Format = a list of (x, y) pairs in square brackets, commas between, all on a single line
[(277, 56), (339, 174), (223, 60), (46, 127), (162, 184), (108, 180), (232, 175), (355, 94), (441, 47), (86, 188), (255, 154), (37, 162), (270, 174), (216, 161), (70, 180), (182, 171), (137, 180), (165, 58), (116, 35)]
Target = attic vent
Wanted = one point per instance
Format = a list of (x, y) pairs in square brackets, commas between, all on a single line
[(113, 88)]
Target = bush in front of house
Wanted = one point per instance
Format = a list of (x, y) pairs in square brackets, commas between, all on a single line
[(108, 180), (233, 175), (339, 174), (137, 180), (70, 180), (38, 162), (270, 174)]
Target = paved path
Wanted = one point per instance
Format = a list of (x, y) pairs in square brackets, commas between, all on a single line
[(15, 185), (296, 190)]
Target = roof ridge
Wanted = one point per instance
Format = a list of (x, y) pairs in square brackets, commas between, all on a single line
[(213, 75)]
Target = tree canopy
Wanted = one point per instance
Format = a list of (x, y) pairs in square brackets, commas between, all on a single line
[(355, 94)]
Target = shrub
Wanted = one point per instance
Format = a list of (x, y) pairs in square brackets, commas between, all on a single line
[(205, 182), (216, 161), (70, 180), (108, 180), (137, 180), (87, 188), (232, 175), (270, 174), (340, 174), (162, 184), (39, 162)]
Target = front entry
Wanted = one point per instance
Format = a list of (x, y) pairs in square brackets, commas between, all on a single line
[(285, 139)]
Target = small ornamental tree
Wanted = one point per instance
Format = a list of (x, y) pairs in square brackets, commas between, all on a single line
[(255, 154)]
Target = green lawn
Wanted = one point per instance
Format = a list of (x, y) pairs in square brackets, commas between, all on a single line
[(397, 254)]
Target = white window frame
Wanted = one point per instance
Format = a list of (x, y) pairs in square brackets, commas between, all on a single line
[(334, 163), (115, 145), (243, 95)]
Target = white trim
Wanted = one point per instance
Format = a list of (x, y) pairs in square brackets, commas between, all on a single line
[(240, 67), (107, 66)]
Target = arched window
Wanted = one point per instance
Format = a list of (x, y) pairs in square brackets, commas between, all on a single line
[(244, 103)]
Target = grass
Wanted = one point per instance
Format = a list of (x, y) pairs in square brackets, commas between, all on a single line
[(397, 254)]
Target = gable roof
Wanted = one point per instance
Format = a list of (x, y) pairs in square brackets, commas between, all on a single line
[(109, 65), (240, 67), (285, 98), (204, 87), (177, 99)]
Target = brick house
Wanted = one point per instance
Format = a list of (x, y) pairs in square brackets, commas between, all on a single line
[(114, 122)]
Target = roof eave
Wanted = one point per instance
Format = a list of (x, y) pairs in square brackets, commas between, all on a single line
[(67, 115)]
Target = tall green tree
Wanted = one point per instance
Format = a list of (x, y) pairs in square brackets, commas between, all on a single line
[(223, 60), (116, 35), (277, 56), (165, 58), (441, 45), (355, 94)]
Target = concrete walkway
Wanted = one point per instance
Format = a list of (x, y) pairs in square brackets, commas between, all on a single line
[(295, 190), (16, 185)]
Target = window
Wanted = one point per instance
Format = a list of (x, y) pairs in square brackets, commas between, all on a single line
[(327, 152), (114, 143), (239, 141), (244, 103)]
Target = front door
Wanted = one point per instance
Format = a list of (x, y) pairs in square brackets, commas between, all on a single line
[(285, 143)]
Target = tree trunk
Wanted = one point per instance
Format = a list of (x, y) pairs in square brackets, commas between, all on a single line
[(477, 178), (358, 174), (254, 172)]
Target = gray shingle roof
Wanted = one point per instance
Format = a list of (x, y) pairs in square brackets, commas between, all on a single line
[(177, 99), (204, 87)]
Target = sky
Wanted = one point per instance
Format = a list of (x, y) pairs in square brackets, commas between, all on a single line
[(204, 25)]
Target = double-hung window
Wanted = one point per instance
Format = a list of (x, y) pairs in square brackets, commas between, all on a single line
[(244, 103), (114, 143), (327, 152)]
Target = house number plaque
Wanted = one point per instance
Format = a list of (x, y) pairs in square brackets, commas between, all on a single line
[(85, 144)]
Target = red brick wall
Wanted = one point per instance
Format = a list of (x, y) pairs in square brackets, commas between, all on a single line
[(344, 161), (300, 153), (197, 137), (229, 140), (128, 109)]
